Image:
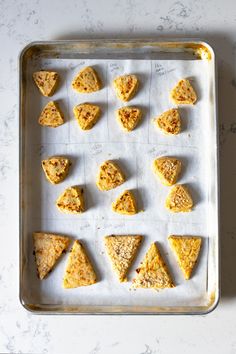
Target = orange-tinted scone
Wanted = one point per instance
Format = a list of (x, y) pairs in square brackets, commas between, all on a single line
[(109, 176), (51, 115), (87, 81), (87, 115), (169, 122), (126, 86), (56, 168), (46, 81), (179, 199), (183, 93), (167, 169), (71, 201), (125, 204), (128, 117)]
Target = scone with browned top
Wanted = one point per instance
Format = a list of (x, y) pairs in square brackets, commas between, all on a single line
[(122, 250), (125, 204), (48, 248), (56, 168), (71, 201), (152, 272), (169, 122), (79, 270), (186, 250), (167, 169), (183, 93), (179, 199), (87, 81), (87, 115), (128, 117), (46, 81), (51, 115), (109, 176), (126, 86)]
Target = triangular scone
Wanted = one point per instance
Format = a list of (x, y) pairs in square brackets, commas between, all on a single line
[(125, 204), (179, 199), (51, 115), (121, 250), (167, 169), (183, 93), (126, 86), (46, 81), (79, 270), (86, 81), (87, 115), (153, 272), (128, 117), (71, 201), (47, 249), (169, 122), (186, 249), (56, 168), (110, 176)]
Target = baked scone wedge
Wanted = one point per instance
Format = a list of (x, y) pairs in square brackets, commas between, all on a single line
[(109, 176), (48, 248), (186, 250), (122, 250), (125, 204), (87, 115), (183, 93), (71, 201), (128, 117), (86, 81), (79, 270), (152, 272), (56, 168), (169, 122), (46, 81), (167, 169), (179, 199), (51, 115), (126, 86)]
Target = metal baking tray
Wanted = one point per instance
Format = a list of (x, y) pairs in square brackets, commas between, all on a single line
[(31, 292)]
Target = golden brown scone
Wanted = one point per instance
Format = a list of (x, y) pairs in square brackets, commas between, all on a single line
[(71, 201), (152, 272), (46, 81), (126, 86), (183, 93), (179, 199), (87, 115), (128, 117), (169, 122), (186, 249), (87, 81), (47, 249), (56, 168), (51, 115), (122, 250), (167, 169), (79, 270), (125, 204), (110, 176)]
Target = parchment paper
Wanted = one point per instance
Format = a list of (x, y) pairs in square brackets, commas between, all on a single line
[(134, 152)]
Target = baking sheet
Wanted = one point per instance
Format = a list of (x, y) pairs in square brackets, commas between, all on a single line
[(134, 152)]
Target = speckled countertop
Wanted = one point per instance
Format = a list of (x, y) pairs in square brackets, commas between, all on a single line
[(25, 21)]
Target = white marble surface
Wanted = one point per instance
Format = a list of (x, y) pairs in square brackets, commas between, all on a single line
[(24, 21)]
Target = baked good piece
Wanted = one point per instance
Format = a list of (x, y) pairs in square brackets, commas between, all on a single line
[(71, 201), (169, 122), (48, 248), (183, 93), (56, 168), (126, 86), (153, 272), (110, 176), (167, 169), (186, 250), (79, 270), (87, 81), (87, 115), (122, 250), (125, 204), (51, 115), (46, 81), (179, 199), (128, 117)]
